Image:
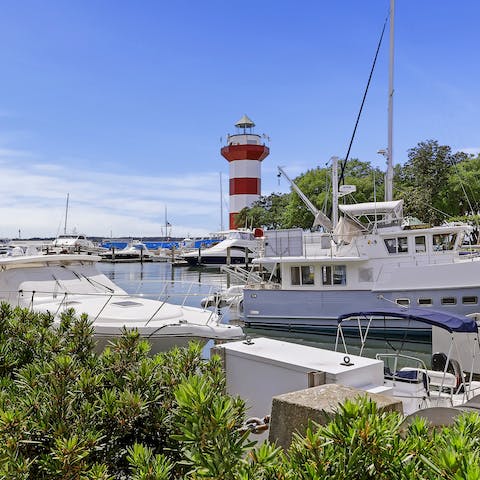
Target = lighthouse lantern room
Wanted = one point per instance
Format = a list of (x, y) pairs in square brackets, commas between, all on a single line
[(244, 151)]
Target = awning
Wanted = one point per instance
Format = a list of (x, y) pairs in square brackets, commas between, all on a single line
[(447, 321)]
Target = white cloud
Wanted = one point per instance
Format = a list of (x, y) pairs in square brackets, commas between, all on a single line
[(34, 194)]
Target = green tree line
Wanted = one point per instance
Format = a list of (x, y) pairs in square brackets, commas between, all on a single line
[(436, 185)]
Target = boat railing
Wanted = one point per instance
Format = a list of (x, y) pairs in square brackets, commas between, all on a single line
[(29, 298), (241, 274)]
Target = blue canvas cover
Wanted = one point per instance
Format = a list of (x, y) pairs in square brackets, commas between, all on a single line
[(445, 320)]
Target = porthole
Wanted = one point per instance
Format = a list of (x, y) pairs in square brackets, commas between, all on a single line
[(426, 302), (449, 301)]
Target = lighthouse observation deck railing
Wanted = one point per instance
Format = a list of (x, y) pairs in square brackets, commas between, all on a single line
[(245, 139)]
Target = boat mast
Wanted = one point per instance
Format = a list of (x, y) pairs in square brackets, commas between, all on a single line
[(389, 175), (221, 204), (66, 215), (334, 191)]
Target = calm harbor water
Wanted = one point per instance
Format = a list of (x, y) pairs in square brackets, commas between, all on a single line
[(162, 280)]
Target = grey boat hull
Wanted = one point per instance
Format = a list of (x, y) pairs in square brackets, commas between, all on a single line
[(317, 311)]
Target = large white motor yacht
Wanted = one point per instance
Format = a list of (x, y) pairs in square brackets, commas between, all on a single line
[(372, 259), (54, 283)]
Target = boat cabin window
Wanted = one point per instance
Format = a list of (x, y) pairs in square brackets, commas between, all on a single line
[(426, 302), (444, 241), (449, 301), (334, 275), (470, 300), (402, 301), (420, 244), (303, 275), (397, 245)]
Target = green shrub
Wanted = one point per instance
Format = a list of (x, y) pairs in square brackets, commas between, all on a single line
[(67, 412)]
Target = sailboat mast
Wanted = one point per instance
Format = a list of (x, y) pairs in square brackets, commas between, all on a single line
[(66, 216), (221, 203), (389, 175)]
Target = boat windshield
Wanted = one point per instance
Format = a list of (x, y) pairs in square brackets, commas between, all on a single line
[(240, 235)]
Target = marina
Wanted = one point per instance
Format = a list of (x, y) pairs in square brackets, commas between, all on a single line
[(291, 294), (152, 278)]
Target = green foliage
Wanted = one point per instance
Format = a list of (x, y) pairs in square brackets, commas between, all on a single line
[(424, 182), (68, 413), (268, 212), (434, 183)]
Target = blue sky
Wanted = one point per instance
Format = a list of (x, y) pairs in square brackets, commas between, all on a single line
[(122, 104)]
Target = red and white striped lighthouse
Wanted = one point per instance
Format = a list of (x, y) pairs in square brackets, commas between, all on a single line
[(244, 152)]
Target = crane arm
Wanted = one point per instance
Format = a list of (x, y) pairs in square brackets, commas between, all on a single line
[(320, 217)]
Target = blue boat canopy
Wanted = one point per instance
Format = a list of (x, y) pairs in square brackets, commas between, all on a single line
[(447, 321)]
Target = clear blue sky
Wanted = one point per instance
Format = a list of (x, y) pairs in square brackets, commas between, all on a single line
[(122, 104)]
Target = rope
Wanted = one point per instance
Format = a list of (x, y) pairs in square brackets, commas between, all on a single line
[(341, 178)]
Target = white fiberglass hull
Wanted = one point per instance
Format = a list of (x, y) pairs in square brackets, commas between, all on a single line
[(59, 282)]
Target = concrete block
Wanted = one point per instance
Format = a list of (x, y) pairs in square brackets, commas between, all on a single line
[(292, 411)]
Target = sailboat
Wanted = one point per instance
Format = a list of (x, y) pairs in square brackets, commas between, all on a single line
[(370, 259), (72, 242)]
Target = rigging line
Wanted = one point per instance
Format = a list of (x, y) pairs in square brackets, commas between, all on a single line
[(341, 178)]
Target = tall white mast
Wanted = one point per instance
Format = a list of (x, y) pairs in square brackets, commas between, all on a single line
[(334, 191), (389, 175), (66, 215), (221, 203)]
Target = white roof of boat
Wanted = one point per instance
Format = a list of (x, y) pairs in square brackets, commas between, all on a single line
[(371, 208), (43, 259)]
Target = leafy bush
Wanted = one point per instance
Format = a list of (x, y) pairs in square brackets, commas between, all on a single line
[(69, 413)]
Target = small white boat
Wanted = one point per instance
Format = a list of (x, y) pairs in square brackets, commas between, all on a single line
[(72, 243), (239, 247), (260, 368), (446, 379), (228, 297), (54, 283), (135, 251)]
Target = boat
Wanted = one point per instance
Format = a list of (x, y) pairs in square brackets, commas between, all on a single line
[(239, 247), (280, 367), (71, 243), (225, 297), (372, 259), (135, 251), (447, 380), (55, 283)]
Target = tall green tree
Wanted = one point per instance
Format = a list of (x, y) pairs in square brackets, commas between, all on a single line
[(267, 212), (464, 187), (423, 182)]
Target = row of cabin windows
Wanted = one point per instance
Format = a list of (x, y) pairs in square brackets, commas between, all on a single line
[(427, 302), (440, 242), (330, 275)]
